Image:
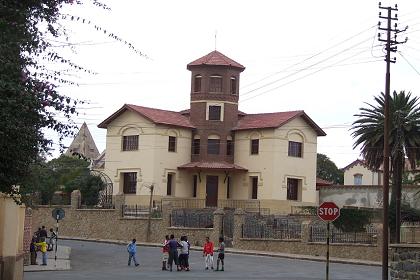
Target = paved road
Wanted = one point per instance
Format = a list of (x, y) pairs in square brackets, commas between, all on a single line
[(100, 261)]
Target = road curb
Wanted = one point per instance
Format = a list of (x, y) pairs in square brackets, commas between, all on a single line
[(238, 252)]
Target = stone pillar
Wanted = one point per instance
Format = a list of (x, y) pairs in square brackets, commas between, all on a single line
[(76, 199), (306, 231), (238, 222), (166, 213), (217, 225), (119, 201), (27, 235)]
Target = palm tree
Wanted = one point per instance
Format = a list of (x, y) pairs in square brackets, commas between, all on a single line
[(404, 140)]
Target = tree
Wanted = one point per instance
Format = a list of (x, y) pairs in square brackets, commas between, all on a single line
[(327, 170), (404, 140), (30, 101), (62, 174)]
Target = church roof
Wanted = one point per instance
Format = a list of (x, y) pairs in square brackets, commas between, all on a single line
[(274, 120), (83, 144), (217, 59), (157, 116)]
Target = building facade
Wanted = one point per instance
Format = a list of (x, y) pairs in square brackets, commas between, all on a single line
[(213, 152)]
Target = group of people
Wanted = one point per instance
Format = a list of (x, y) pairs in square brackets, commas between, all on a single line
[(43, 243), (180, 258)]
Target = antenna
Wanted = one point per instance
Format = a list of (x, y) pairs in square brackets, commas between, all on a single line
[(215, 40)]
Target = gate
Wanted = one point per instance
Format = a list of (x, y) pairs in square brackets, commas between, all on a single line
[(228, 227), (105, 195)]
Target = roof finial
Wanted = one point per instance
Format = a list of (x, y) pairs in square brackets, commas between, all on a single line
[(215, 39)]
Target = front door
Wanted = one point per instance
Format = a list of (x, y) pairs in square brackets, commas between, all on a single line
[(211, 191)]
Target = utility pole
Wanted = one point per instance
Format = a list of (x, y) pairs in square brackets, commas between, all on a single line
[(389, 47)]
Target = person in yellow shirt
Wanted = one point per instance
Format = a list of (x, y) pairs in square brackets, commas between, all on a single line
[(43, 248)]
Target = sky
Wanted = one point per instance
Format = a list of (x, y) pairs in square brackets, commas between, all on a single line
[(322, 57)]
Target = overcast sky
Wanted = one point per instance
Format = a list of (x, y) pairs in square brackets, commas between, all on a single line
[(322, 57)]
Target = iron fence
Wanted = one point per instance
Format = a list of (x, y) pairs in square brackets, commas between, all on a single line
[(139, 211), (185, 203), (194, 218), (291, 231), (319, 234), (410, 232)]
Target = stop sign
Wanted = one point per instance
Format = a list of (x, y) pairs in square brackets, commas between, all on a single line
[(328, 211)]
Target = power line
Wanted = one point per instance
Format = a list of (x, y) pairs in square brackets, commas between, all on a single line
[(312, 56), (408, 62)]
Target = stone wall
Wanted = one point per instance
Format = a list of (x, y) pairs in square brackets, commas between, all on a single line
[(12, 219), (405, 262), (109, 224)]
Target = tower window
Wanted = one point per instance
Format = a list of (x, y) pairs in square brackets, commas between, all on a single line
[(215, 113), (233, 85), (197, 83), (213, 146), (216, 83), (229, 147), (196, 146)]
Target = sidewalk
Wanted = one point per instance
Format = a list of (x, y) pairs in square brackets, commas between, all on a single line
[(62, 263), (243, 252)]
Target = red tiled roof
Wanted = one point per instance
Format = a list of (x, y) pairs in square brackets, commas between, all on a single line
[(274, 120), (322, 182), (155, 115), (215, 165), (215, 58)]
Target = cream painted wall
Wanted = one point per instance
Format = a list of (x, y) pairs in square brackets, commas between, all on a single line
[(151, 161), (273, 165), (368, 177)]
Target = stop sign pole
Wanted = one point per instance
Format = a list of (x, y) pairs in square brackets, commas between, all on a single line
[(328, 212)]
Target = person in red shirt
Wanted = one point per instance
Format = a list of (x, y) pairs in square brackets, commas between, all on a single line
[(208, 251), (165, 253)]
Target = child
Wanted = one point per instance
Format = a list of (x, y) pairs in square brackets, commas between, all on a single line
[(221, 255), (132, 250), (208, 253), (165, 253), (43, 248), (183, 257), (173, 252)]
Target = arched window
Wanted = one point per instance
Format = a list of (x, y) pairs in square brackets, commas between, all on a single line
[(216, 82), (197, 83), (233, 86), (196, 145), (295, 148), (213, 145), (358, 179), (229, 146)]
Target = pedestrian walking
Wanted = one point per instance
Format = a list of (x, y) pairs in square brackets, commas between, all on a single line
[(221, 254), (165, 253), (43, 248), (132, 250), (52, 240), (173, 252), (208, 253)]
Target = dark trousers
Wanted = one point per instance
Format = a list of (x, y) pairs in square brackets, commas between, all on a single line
[(33, 257), (183, 260), (173, 257)]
